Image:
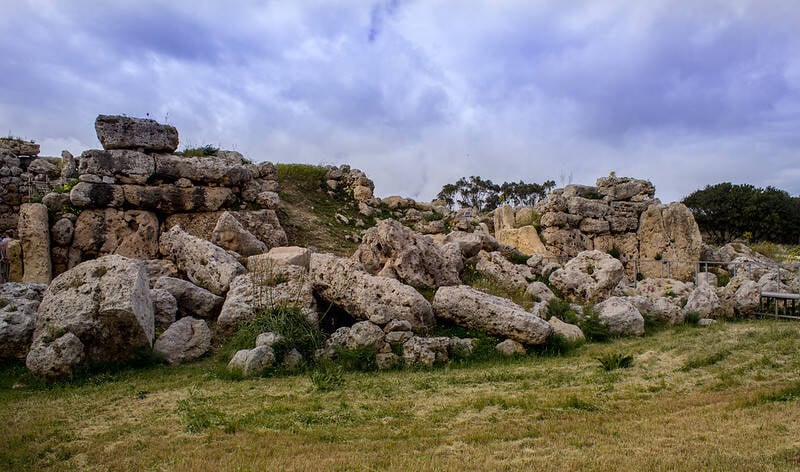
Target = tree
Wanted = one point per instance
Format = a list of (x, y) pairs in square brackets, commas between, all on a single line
[(726, 211), (485, 195)]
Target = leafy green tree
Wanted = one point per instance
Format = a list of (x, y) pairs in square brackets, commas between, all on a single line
[(726, 211)]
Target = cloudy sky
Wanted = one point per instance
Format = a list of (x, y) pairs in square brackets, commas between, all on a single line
[(420, 93)]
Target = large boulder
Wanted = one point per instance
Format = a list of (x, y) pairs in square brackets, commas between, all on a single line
[(19, 303), (393, 249), (345, 283), (167, 198), (471, 308), (231, 235), (669, 233), (122, 132), (204, 263), (105, 304), (703, 300), (185, 340), (590, 276), (130, 167), (620, 316), (515, 277), (526, 239), (34, 234), (263, 224), (217, 170), (280, 285), (129, 233), (191, 300)]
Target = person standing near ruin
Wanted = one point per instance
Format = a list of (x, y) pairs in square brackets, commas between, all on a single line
[(4, 262)]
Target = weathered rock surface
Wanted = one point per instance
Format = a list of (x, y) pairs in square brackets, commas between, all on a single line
[(204, 263), (19, 303), (281, 285), (130, 167), (590, 276), (426, 352), (105, 303), (390, 247), (704, 301), (185, 340), (165, 308), (129, 233), (191, 300), (34, 234), (470, 308), (230, 234), (570, 332), (510, 348), (507, 274), (669, 232), (122, 132), (19, 147), (263, 224), (526, 239), (621, 316), (252, 362), (380, 300)]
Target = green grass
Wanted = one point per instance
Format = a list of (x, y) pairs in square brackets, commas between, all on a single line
[(308, 211), (740, 412)]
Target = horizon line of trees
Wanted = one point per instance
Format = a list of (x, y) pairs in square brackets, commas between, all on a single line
[(485, 195)]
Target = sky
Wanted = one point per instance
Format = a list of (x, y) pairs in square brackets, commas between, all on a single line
[(420, 93)]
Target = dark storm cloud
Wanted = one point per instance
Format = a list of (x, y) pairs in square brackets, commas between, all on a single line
[(419, 93)]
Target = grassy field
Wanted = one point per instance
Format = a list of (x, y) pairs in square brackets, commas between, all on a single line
[(725, 397)]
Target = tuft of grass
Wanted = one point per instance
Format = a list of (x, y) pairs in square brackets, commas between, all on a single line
[(704, 361), (326, 377), (615, 360), (691, 318), (201, 151)]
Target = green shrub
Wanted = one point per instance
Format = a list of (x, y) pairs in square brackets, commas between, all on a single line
[(615, 360), (691, 318), (202, 151), (286, 320), (327, 377)]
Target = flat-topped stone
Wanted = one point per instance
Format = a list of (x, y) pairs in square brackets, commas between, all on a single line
[(123, 132)]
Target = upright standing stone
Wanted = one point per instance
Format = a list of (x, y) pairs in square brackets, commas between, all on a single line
[(34, 233)]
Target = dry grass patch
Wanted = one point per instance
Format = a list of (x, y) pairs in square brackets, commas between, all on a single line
[(740, 411)]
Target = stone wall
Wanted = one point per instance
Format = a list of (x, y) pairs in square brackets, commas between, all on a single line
[(121, 198)]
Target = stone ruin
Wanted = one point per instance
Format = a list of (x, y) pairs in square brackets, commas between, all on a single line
[(142, 248), (118, 200)]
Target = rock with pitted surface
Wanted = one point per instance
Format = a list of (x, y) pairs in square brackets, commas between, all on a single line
[(589, 276), (470, 308), (390, 247), (620, 316), (19, 147), (669, 232), (204, 263), (191, 300), (263, 224), (185, 340), (345, 283), (129, 233), (19, 303), (231, 235), (515, 277), (126, 166), (122, 132), (281, 285), (105, 303), (34, 234)]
